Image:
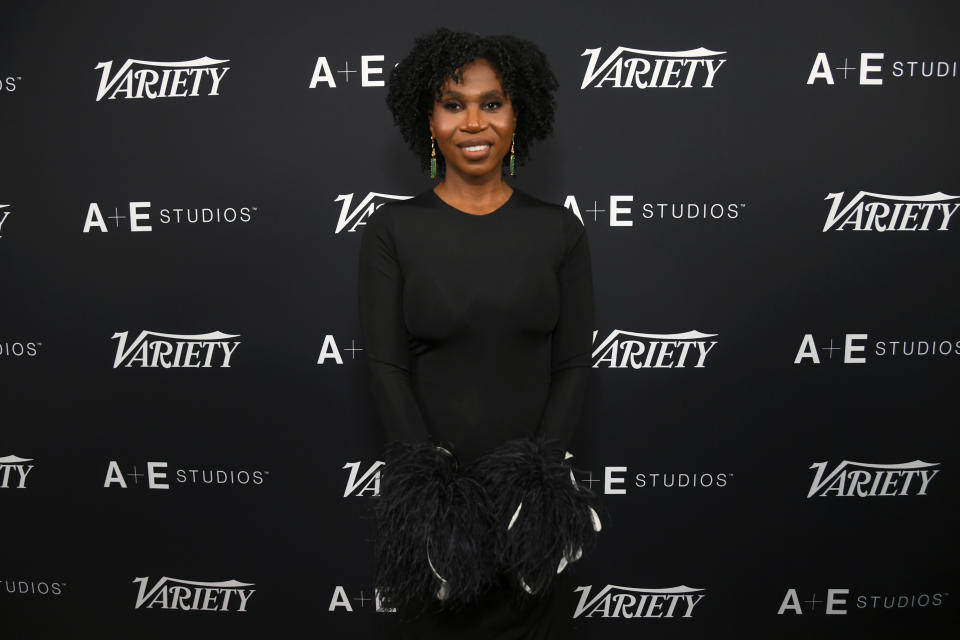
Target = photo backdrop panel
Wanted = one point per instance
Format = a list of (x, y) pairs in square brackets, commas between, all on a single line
[(188, 443)]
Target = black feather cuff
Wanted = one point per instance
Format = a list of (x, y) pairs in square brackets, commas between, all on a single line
[(545, 520), (433, 531)]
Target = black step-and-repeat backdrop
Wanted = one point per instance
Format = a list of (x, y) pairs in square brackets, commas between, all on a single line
[(187, 444)]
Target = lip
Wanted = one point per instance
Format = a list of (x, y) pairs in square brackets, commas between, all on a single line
[(475, 149)]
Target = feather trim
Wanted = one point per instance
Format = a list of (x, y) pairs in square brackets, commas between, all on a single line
[(545, 520), (433, 544)]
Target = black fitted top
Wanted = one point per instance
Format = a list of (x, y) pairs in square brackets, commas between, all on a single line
[(477, 328)]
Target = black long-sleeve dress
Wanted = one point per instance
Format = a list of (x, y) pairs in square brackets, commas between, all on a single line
[(477, 330)]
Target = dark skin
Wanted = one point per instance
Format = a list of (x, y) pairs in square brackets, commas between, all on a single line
[(473, 124)]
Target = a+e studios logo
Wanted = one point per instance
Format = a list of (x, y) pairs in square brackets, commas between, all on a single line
[(874, 68), (369, 72)]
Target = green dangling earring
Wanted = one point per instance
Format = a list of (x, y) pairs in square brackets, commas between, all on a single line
[(433, 160), (513, 157)]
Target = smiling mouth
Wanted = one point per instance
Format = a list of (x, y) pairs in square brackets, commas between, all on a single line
[(476, 147)]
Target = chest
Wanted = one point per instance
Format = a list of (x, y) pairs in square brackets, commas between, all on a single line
[(482, 279)]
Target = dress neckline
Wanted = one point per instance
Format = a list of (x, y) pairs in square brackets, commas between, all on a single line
[(447, 205)]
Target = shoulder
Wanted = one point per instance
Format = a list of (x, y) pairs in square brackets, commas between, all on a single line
[(387, 211), (565, 223), (524, 200), (558, 212), (399, 205)]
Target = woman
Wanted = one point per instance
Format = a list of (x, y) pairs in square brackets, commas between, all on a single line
[(476, 308)]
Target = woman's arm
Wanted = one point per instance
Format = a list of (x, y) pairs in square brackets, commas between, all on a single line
[(384, 333), (571, 343), (433, 539)]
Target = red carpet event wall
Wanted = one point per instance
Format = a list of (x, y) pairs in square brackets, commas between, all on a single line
[(188, 446)]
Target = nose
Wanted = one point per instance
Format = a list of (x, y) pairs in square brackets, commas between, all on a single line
[(473, 120)]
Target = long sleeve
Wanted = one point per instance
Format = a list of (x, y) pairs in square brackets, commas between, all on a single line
[(571, 342), (384, 334)]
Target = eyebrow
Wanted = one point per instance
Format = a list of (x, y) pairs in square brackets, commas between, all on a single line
[(487, 94)]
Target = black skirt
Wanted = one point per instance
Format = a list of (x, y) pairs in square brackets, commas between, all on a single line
[(494, 617)]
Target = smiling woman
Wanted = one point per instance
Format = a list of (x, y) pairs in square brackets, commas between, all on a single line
[(476, 309), (473, 123), (437, 62)]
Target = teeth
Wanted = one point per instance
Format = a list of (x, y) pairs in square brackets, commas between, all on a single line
[(479, 147)]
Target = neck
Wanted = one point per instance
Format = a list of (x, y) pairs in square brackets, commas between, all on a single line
[(474, 194)]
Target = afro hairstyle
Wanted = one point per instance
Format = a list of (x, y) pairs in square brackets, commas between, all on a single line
[(416, 82)]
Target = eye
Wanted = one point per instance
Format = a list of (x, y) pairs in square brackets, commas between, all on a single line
[(451, 106), (493, 105)]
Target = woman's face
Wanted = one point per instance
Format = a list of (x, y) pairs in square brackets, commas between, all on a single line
[(473, 122)]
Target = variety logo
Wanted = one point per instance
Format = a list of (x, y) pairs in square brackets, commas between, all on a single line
[(644, 69), (13, 472), (878, 212), (856, 345), (874, 69), (190, 595), (32, 587), (140, 217), (362, 482), (19, 349), (9, 83), (171, 350), (5, 212), (634, 602), (370, 70), (620, 214), (340, 601), (147, 79), (861, 479), (158, 475), (356, 216), (839, 601), (629, 349), (331, 351), (615, 482)]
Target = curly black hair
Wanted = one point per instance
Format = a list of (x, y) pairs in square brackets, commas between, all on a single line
[(415, 85)]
